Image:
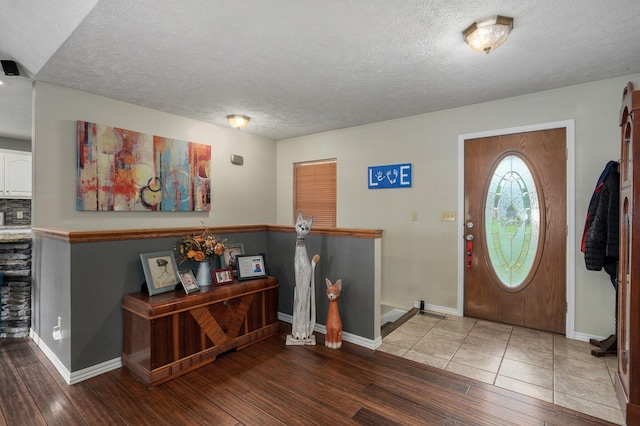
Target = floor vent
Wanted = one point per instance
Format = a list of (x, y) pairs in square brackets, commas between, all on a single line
[(433, 315)]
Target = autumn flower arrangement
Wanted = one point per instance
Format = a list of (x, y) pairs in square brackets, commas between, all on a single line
[(200, 247)]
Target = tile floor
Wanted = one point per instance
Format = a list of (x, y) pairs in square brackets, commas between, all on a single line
[(541, 365)]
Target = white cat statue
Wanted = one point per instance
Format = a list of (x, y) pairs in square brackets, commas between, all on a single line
[(304, 293)]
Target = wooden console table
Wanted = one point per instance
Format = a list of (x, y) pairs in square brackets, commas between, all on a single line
[(170, 334)]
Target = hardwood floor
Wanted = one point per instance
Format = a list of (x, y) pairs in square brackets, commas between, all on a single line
[(268, 383)]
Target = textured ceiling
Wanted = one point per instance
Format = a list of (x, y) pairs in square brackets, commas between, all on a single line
[(301, 67)]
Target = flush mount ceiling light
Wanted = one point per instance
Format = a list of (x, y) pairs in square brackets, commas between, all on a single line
[(487, 34), (238, 121)]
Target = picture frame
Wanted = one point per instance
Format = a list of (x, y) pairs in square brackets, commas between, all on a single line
[(188, 280), (160, 271), (232, 250), (223, 276), (251, 266)]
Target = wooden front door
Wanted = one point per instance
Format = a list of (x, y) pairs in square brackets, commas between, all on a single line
[(515, 229)]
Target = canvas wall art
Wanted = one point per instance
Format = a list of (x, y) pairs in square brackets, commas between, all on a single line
[(123, 170)]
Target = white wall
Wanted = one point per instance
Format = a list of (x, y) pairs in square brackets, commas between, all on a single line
[(240, 194), (420, 257)]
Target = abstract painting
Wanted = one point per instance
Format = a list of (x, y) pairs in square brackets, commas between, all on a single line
[(124, 170)]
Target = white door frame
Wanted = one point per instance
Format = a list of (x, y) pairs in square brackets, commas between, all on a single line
[(569, 125)]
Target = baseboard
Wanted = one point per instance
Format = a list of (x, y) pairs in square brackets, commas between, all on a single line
[(95, 370), (347, 337), (583, 337), (437, 309), (104, 367), (66, 374), (76, 376)]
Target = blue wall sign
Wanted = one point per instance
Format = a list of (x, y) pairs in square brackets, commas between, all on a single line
[(392, 176)]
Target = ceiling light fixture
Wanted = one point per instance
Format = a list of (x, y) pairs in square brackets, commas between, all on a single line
[(238, 121), (486, 35)]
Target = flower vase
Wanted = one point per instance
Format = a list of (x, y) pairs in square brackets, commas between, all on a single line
[(203, 276)]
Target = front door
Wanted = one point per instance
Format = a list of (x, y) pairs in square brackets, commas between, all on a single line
[(516, 229)]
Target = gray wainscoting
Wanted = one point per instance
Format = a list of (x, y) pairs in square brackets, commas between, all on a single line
[(84, 282)]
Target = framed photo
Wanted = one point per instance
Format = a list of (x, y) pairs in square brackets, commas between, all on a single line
[(160, 271), (188, 281), (233, 250), (223, 276), (251, 266)]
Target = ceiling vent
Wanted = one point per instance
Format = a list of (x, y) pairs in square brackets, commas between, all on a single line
[(10, 68)]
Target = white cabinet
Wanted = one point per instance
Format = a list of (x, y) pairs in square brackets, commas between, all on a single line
[(15, 174)]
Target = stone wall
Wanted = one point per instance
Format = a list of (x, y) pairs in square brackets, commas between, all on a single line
[(15, 292), (14, 207)]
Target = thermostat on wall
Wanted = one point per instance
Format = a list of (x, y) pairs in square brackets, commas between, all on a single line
[(237, 159)]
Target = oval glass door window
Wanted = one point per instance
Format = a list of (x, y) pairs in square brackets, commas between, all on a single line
[(512, 221)]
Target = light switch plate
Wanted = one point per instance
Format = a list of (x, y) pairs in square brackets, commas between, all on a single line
[(448, 216)]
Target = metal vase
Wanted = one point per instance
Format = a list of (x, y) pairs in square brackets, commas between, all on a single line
[(203, 275)]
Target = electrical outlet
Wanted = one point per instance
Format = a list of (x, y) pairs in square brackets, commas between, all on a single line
[(57, 330), (19, 215), (448, 216)]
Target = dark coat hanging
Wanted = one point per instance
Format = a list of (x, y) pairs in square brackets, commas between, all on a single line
[(601, 236)]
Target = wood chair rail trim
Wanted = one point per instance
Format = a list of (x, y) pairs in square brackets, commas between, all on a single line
[(75, 237)]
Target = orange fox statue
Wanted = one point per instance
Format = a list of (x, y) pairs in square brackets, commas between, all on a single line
[(333, 339)]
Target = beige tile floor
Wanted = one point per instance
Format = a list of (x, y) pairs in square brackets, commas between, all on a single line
[(542, 365)]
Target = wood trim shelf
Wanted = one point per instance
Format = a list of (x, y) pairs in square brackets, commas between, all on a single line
[(332, 232), (75, 237)]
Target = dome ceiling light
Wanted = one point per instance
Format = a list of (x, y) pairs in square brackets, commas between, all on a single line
[(238, 121), (486, 35)]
